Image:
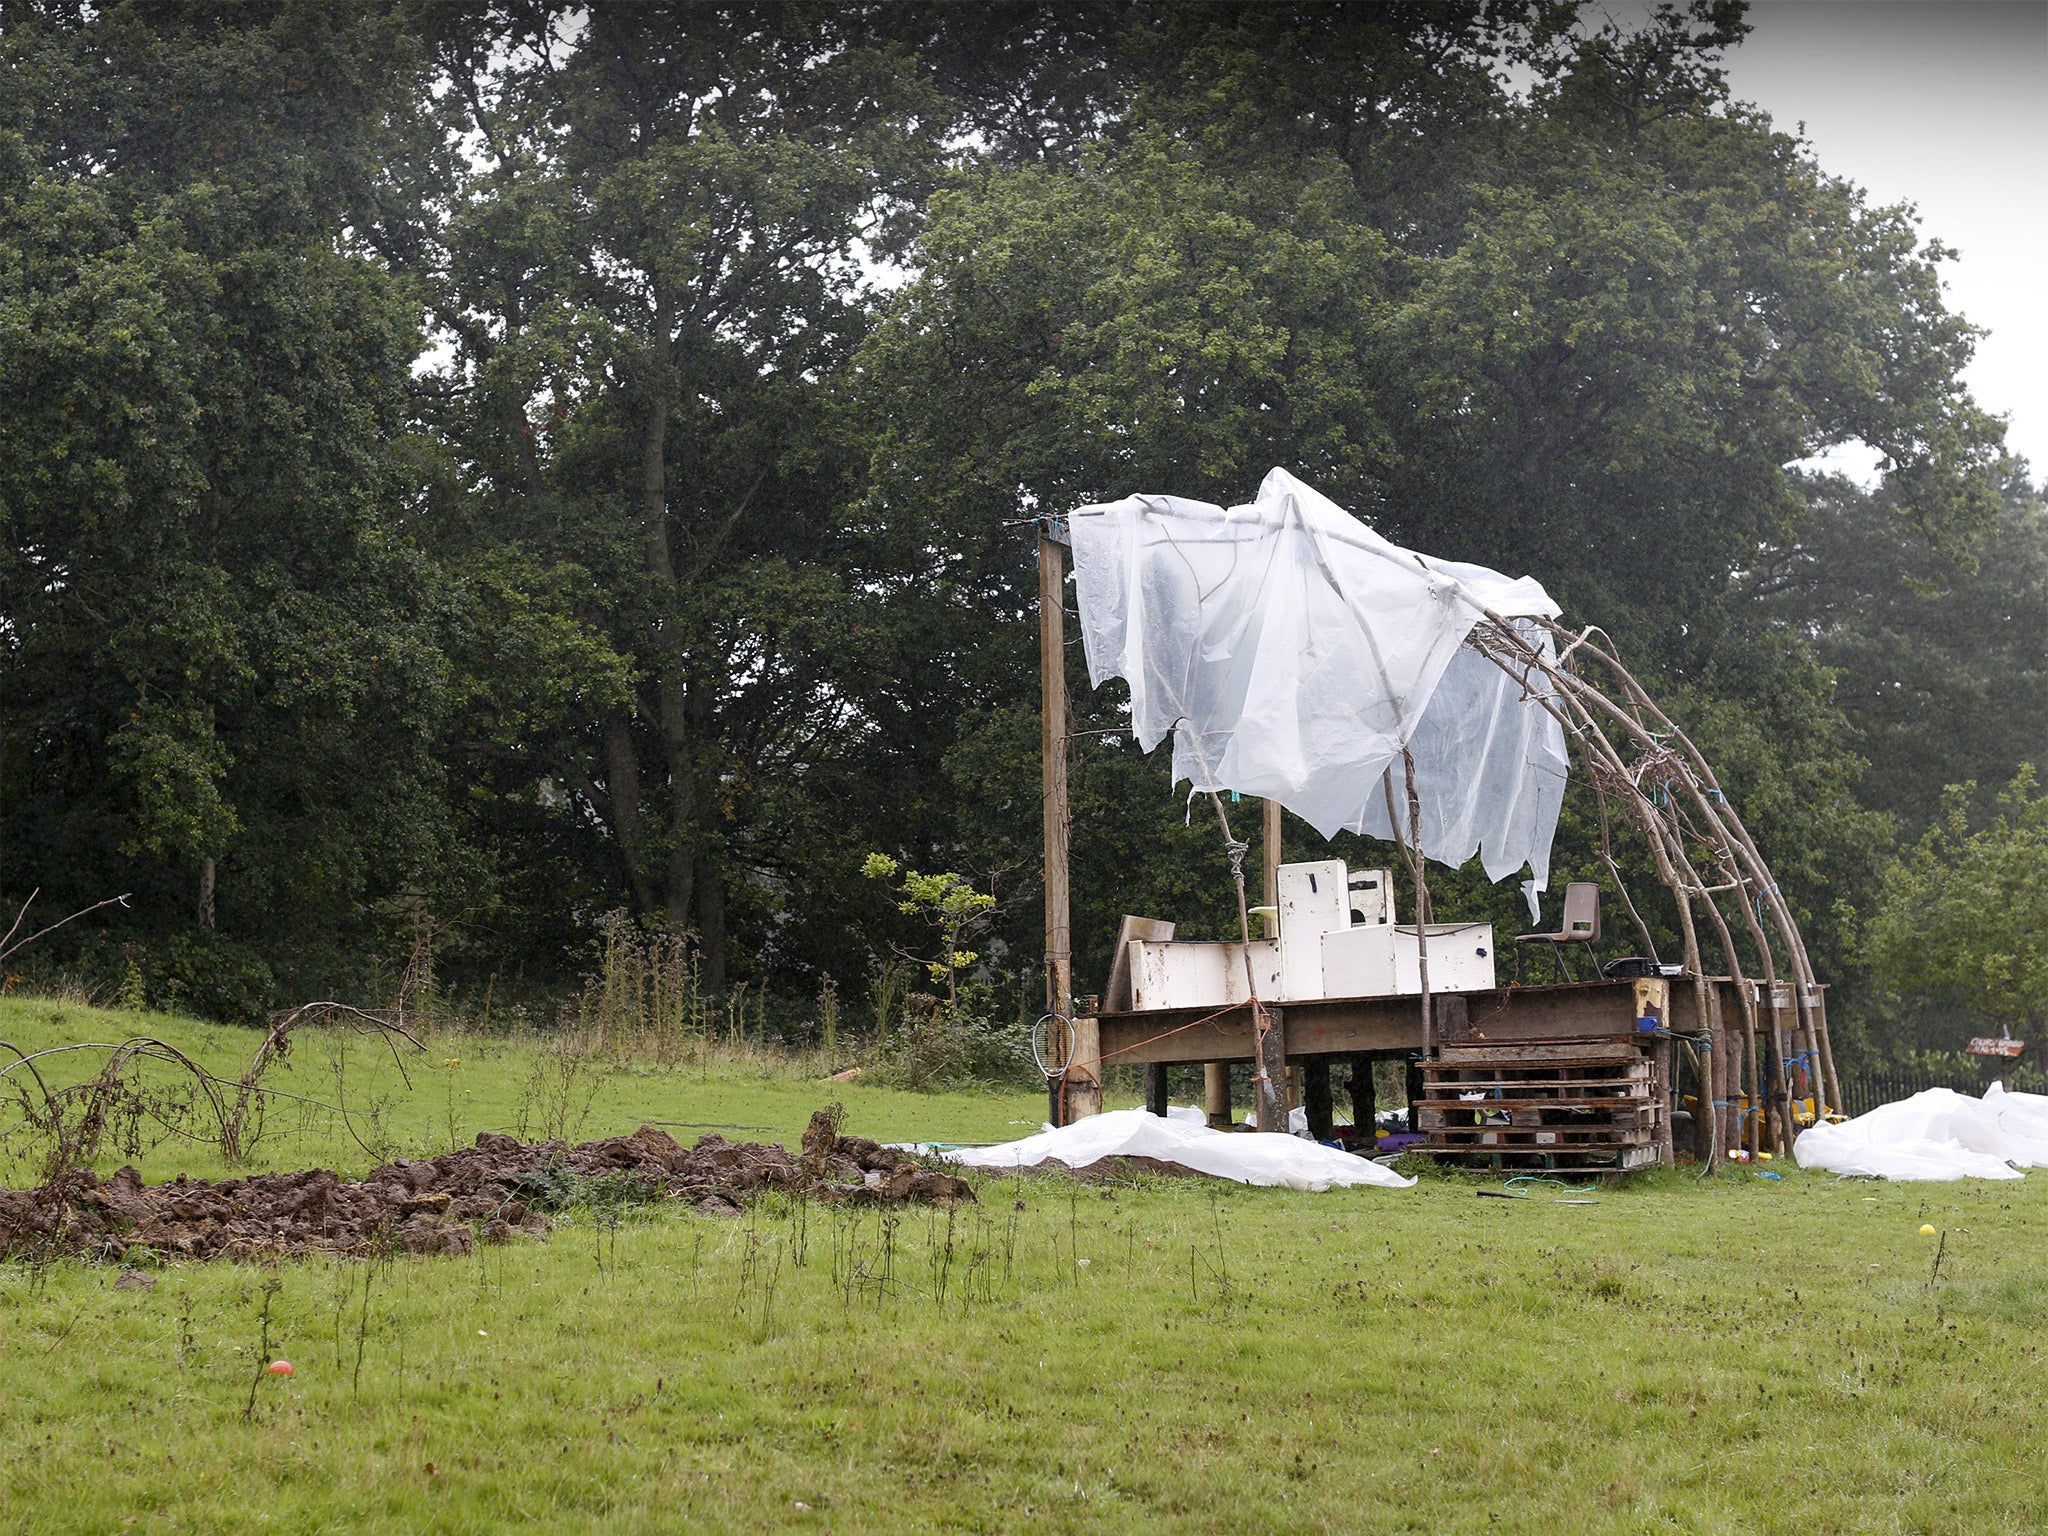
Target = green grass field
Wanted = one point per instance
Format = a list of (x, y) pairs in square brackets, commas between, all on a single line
[(1739, 1355)]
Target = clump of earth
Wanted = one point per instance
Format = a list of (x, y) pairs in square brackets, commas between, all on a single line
[(497, 1190)]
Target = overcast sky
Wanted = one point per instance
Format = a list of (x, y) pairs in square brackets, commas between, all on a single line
[(1943, 104)]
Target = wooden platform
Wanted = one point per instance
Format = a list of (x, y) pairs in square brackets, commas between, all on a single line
[(1576, 1107)]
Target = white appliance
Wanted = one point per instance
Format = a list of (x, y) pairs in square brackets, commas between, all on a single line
[(1336, 937)]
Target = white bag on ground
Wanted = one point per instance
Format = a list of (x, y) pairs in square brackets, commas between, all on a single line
[(1248, 1157), (1938, 1134)]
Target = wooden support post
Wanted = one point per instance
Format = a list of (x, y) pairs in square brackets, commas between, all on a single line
[(1719, 1041), (1660, 1054), (1316, 1098), (1781, 1074), (1756, 1127), (1453, 1018), (1704, 1131), (1269, 855), (1829, 1076), (1084, 1074), (1052, 746), (1363, 1107), (1271, 1082), (1155, 1088), (1216, 1095), (1410, 844)]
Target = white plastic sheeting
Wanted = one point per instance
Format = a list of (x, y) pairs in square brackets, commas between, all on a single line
[(1248, 1157), (1938, 1134), (1292, 652), (1297, 1120)]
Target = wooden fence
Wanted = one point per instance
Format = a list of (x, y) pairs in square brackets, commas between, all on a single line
[(1865, 1090)]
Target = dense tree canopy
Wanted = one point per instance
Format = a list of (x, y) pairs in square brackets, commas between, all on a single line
[(469, 467), (223, 667), (1965, 914)]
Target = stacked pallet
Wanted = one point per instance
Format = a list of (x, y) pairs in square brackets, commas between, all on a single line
[(1581, 1106)]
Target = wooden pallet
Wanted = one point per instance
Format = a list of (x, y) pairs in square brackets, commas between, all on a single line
[(1580, 1106)]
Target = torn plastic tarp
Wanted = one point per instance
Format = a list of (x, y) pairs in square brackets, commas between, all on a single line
[(1292, 652), (1248, 1157), (1938, 1134)]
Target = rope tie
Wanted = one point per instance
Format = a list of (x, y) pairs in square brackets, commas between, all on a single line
[(1237, 850)]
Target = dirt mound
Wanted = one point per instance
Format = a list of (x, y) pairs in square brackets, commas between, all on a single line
[(496, 1189)]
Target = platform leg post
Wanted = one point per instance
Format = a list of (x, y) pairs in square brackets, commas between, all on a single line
[(1155, 1088), (1363, 1106), (1660, 1053), (1316, 1098), (1216, 1094), (1269, 1077), (1084, 1073)]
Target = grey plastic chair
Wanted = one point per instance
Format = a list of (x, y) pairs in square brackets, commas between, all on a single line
[(1581, 925)]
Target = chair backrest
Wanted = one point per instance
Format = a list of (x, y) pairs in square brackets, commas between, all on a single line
[(1582, 910)]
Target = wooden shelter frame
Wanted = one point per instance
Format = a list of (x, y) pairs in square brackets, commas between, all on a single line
[(1636, 759)]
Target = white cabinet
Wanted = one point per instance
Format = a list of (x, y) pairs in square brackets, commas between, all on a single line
[(1337, 938), (1176, 973), (1460, 958), (1314, 901), (1359, 962)]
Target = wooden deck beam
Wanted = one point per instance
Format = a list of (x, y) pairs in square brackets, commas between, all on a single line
[(1388, 1025)]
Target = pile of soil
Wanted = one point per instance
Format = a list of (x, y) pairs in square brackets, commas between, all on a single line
[(496, 1189)]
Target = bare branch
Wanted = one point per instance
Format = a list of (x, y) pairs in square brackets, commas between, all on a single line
[(112, 901)]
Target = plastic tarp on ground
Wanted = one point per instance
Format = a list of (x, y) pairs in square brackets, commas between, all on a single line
[(1248, 1157), (1938, 1134), (1292, 652)]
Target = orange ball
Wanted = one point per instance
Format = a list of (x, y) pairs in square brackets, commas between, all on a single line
[(280, 1367)]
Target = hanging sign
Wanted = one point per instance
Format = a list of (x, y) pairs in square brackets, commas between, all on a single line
[(1985, 1046)]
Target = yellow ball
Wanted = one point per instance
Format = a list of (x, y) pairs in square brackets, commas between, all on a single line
[(1925, 1230)]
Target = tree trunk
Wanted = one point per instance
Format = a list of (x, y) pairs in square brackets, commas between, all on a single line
[(671, 694), (711, 924), (208, 871), (682, 791), (622, 784)]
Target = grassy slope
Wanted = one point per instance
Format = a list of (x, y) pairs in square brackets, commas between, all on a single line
[(463, 1084), (1736, 1355)]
